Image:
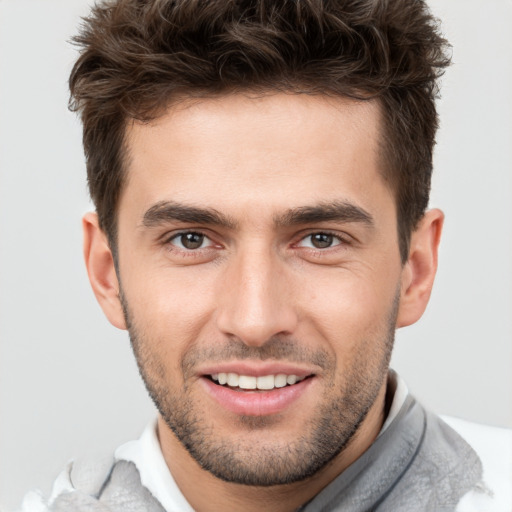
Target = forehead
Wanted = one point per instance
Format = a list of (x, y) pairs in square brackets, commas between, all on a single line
[(271, 151)]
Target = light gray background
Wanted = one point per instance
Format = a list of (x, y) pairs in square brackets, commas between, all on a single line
[(68, 384)]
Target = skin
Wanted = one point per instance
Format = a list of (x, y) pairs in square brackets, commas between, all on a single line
[(258, 290)]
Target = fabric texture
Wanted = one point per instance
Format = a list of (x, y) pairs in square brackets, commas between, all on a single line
[(122, 491), (418, 463)]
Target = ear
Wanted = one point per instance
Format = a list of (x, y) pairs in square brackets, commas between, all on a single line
[(101, 270), (419, 271)]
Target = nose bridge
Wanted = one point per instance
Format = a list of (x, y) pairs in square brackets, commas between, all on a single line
[(255, 304)]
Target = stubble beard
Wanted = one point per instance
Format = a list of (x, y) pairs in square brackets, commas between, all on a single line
[(264, 462)]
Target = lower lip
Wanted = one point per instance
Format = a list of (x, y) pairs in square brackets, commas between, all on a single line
[(256, 403)]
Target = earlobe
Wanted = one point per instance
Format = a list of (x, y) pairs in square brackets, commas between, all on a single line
[(419, 272), (101, 270)]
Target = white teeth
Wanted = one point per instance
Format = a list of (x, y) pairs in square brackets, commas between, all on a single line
[(280, 381), (233, 380), (264, 382), (247, 382), (291, 379)]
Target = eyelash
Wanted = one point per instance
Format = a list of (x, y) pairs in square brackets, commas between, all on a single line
[(167, 242), (343, 241)]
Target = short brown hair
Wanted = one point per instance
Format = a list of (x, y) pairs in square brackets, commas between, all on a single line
[(138, 56)]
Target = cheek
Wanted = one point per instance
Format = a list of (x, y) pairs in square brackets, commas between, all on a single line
[(350, 308), (170, 304)]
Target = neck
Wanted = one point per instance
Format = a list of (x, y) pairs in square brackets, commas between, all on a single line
[(220, 495)]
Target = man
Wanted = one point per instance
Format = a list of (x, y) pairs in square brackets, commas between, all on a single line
[(261, 174)]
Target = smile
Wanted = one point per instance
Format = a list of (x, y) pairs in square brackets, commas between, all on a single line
[(249, 382)]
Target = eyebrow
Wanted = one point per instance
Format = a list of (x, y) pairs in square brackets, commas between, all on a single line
[(341, 211), (170, 211)]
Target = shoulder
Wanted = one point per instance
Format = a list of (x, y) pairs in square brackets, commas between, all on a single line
[(493, 445), (96, 486), (84, 477), (459, 466)]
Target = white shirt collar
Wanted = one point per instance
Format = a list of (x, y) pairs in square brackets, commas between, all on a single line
[(399, 396), (147, 456)]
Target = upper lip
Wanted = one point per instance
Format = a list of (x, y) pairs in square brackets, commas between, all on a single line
[(257, 369)]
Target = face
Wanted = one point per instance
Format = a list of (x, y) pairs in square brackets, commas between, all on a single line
[(260, 273)]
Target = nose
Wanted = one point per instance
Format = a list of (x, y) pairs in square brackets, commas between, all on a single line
[(255, 301)]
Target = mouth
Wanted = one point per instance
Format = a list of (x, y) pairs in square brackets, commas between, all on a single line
[(239, 382), (263, 394)]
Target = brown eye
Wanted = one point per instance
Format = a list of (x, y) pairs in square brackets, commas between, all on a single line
[(189, 241), (322, 240)]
